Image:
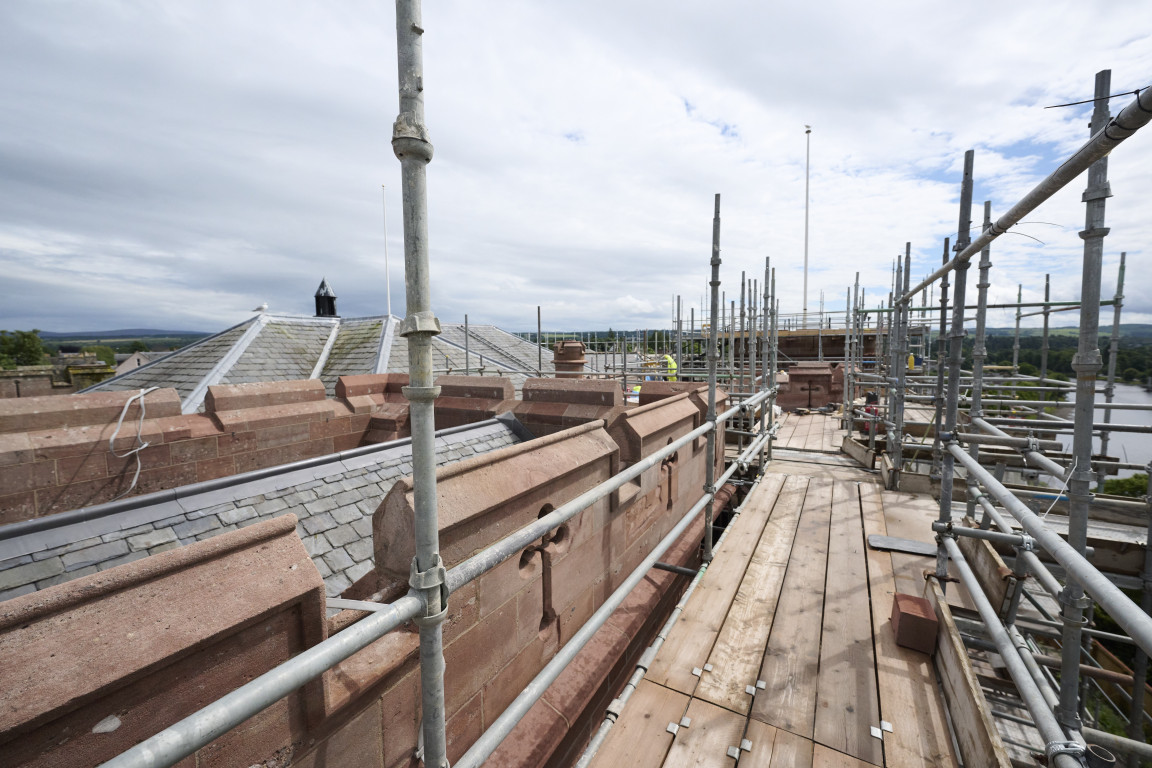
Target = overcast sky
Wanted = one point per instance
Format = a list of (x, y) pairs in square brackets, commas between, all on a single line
[(172, 165)]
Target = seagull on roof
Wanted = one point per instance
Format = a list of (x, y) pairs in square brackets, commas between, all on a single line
[(262, 308)]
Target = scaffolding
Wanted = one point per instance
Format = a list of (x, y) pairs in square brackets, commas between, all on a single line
[(1057, 712)]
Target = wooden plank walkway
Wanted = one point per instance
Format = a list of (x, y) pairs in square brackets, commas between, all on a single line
[(797, 603)]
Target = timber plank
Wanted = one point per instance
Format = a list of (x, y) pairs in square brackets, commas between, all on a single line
[(706, 740), (847, 702), (791, 751), (739, 647), (691, 639), (823, 757), (640, 738), (792, 658), (909, 698), (763, 737), (976, 733)]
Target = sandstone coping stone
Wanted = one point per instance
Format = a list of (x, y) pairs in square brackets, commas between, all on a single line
[(27, 414), (476, 496), (234, 397), (111, 629), (648, 428), (388, 384), (573, 391), (476, 387)]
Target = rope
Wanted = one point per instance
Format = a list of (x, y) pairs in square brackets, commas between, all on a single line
[(141, 445)]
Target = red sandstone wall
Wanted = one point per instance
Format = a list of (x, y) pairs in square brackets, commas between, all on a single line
[(54, 452), (501, 629)]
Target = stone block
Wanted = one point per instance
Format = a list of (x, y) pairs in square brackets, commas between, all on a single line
[(341, 535), (914, 623), (151, 539), (235, 397), (28, 573), (27, 477), (93, 555), (27, 414)]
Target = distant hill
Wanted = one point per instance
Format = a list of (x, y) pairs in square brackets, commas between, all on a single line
[(1127, 330), (122, 333)]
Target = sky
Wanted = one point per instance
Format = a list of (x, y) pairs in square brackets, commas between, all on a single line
[(173, 165)]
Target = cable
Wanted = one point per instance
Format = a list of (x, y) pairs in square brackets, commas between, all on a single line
[(141, 445), (1063, 488)]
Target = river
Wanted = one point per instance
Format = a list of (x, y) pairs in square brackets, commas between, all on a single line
[(1127, 446)]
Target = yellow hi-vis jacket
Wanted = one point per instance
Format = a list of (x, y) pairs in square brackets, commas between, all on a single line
[(671, 363)]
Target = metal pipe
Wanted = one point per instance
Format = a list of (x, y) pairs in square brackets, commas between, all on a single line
[(1050, 729), (713, 354), (937, 451), (1133, 117), (998, 537), (1133, 748), (411, 146), (955, 355), (1086, 364), (1008, 442), (1033, 457), (1113, 350), (1111, 599), (183, 738), (1140, 663), (503, 725)]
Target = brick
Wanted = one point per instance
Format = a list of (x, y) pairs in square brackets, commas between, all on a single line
[(151, 539), (200, 449), (76, 468), (914, 623), (150, 458), (211, 469), (15, 449), (230, 516), (318, 523), (195, 527), (27, 477), (93, 555), (30, 572), (341, 535), (15, 507)]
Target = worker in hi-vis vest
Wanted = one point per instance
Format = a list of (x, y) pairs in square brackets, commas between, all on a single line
[(671, 363)]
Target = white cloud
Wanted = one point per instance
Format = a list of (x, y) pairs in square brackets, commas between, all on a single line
[(175, 166)]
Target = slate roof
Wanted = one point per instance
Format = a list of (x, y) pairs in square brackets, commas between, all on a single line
[(334, 502), (286, 347)]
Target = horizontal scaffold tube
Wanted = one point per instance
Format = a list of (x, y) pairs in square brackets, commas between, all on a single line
[(1133, 117), (181, 739), (503, 725), (1126, 613), (514, 543)]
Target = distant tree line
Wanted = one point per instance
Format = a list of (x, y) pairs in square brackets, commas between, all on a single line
[(1133, 358), (27, 348)]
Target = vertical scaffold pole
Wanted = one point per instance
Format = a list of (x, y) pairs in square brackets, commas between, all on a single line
[(1016, 339), (412, 148), (539, 346), (1086, 363), (892, 364), (1113, 350), (955, 356), (847, 413), (679, 339), (937, 418), (713, 359), (1140, 664), (979, 353), (905, 310), (766, 407), (1044, 334)]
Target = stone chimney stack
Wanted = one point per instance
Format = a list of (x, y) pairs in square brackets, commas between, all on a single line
[(325, 300), (568, 357)]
